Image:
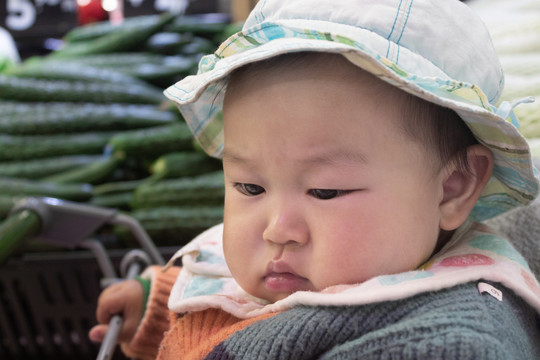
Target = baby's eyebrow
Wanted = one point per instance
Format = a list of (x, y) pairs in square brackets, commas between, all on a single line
[(236, 158), (333, 157), (233, 157), (337, 156)]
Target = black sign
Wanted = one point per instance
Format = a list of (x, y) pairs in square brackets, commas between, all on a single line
[(42, 18)]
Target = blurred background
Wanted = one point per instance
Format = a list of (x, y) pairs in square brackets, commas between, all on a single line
[(36, 25), (515, 31), (83, 119)]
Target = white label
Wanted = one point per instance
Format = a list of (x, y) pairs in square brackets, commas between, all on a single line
[(486, 288)]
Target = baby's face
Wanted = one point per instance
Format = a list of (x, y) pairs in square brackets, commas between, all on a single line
[(322, 188)]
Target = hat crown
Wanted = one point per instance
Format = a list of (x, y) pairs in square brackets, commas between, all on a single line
[(442, 38)]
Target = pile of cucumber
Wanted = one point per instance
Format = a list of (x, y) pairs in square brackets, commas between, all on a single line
[(89, 123)]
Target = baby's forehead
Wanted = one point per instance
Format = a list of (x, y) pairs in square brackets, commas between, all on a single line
[(333, 70), (330, 74), (332, 81)]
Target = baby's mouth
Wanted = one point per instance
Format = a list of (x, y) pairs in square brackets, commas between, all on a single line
[(279, 277)]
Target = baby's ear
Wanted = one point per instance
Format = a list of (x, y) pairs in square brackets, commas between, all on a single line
[(461, 188)]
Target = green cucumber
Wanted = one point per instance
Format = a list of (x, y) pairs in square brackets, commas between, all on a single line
[(23, 147), (172, 68), (72, 117), (171, 165), (207, 189), (15, 230), (150, 142), (119, 60), (122, 39), (91, 173), (98, 29), (176, 226), (119, 200), (145, 66), (29, 89), (183, 164), (8, 107), (202, 216), (70, 70), (119, 186), (24, 187), (38, 168)]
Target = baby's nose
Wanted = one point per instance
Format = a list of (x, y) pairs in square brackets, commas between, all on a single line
[(286, 225)]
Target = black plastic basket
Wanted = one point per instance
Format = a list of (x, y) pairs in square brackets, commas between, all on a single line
[(48, 303)]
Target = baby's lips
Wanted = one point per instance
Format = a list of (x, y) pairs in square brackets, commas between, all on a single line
[(284, 282)]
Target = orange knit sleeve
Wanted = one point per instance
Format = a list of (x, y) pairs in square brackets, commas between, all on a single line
[(155, 323), (194, 335)]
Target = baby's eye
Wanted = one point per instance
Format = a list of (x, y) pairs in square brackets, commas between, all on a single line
[(249, 189), (327, 194)]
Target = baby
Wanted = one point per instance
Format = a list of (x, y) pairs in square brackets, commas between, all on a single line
[(356, 156)]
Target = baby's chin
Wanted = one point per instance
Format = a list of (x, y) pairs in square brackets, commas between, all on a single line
[(263, 295), (267, 297), (272, 297), (335, 289)]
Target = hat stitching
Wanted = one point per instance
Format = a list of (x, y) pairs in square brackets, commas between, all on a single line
[(390, 37), (403, 30), (406, 21), (259, 15), (500, 87)]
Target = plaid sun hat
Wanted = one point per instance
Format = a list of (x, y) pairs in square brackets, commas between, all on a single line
[(438, 50)]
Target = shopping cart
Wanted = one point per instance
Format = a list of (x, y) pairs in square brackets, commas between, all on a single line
[(33, 323)]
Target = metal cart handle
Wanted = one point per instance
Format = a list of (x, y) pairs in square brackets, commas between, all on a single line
[(134, 261), (68, 224)]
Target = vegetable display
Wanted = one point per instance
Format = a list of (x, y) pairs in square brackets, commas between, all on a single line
[(89, 123)]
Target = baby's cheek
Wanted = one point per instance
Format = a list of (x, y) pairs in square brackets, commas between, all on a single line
[(337, 266)]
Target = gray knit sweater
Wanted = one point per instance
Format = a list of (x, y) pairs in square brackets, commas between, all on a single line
[(455, 323)]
